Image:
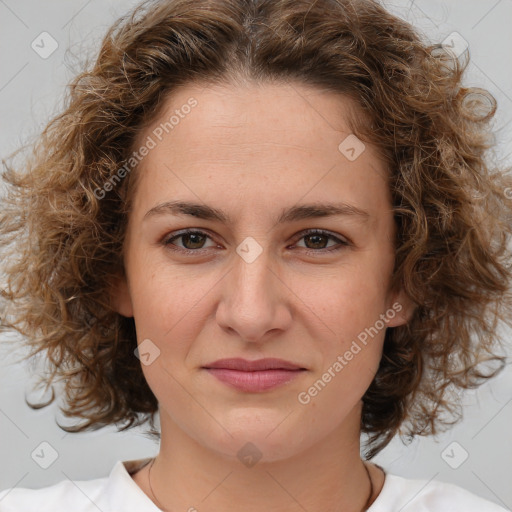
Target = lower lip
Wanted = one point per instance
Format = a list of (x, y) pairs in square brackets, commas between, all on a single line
[(254, 381)]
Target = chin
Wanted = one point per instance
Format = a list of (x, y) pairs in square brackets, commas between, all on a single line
[(263, 440)]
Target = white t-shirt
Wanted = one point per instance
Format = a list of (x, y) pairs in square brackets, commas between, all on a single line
[(119, 493)]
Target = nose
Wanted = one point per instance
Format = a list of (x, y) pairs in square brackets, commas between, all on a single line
[(255, 301)]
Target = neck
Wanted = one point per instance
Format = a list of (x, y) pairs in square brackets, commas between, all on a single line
[(329, 476)]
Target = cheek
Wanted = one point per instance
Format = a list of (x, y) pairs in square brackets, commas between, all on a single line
[(167, 307), (163, 293), (352, 349), (348, 300), (351, 304)]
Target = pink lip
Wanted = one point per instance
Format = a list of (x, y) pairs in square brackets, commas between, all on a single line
[(254, 376)]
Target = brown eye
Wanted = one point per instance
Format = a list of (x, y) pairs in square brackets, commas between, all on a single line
[(190, 240), (317, 240)]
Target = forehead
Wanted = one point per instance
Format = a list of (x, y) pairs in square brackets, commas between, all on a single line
[(259, 139), (302, 115)]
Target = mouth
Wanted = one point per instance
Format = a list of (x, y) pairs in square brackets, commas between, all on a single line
[(254, 376), (252, 366)]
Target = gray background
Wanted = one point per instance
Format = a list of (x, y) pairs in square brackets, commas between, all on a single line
[(31, 91)]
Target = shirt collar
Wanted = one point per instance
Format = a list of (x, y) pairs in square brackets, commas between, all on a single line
[(122, 491)]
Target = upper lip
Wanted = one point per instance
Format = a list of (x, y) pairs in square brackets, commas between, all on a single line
[(251, 366)]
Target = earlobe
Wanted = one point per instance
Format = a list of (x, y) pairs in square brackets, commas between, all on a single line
[(120, 297), (403, 306)]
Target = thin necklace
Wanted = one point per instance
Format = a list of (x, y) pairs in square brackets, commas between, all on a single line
[(364, 509), (153, 492), (370, 496)]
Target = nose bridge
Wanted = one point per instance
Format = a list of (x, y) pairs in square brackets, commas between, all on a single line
[(252, 274), (250, 299)]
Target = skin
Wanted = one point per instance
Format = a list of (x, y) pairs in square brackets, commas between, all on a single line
[(253, 150)]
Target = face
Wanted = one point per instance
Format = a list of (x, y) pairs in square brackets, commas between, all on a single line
[(288, 255)]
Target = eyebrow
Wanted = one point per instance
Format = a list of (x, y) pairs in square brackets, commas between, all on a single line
[(295, 213)]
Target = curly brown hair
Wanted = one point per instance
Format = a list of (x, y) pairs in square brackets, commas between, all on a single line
[(64, 240)]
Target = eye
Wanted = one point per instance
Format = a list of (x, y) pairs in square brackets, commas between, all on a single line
[(191, 240), (316, 240)]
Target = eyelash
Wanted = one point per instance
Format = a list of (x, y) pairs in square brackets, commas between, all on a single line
[(167, 242)]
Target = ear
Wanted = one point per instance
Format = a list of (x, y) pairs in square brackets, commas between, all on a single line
[(120, 297), (403, 306)]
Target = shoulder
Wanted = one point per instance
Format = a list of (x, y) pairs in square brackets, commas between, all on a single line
[(411, 495), (116, 492), (79, 496)]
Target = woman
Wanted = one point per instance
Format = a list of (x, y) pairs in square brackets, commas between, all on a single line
[(274, 224)]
